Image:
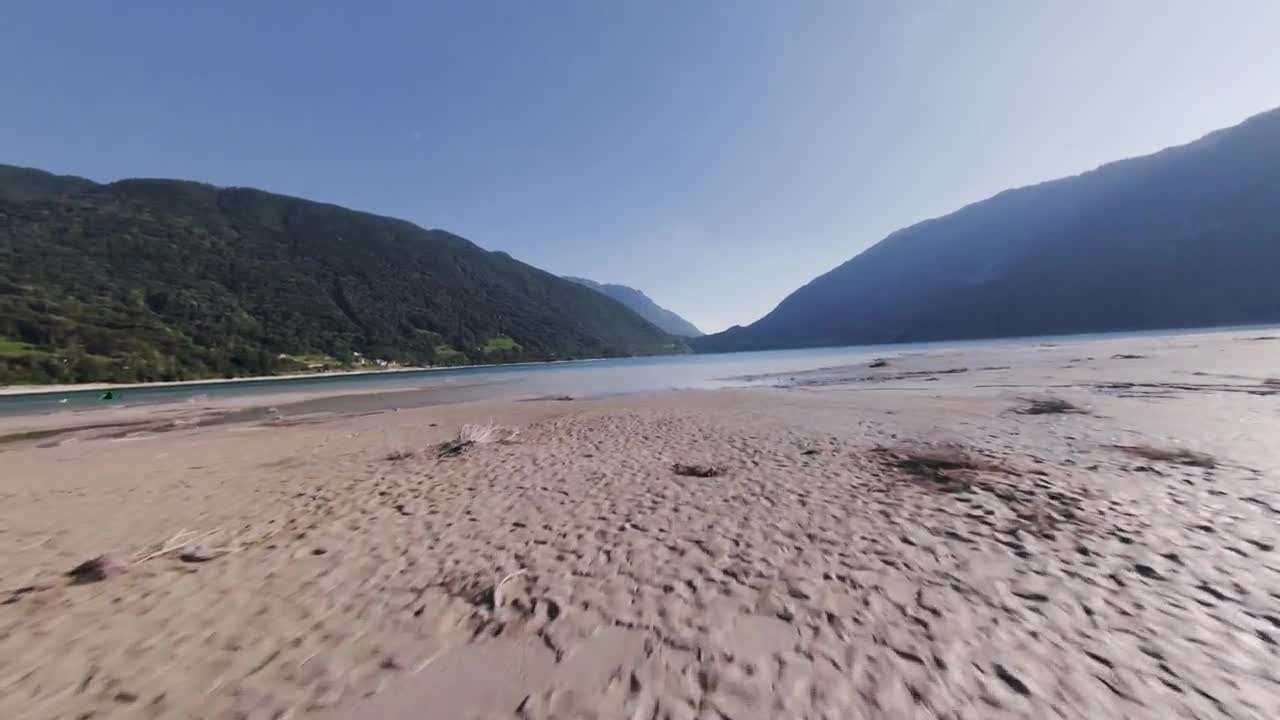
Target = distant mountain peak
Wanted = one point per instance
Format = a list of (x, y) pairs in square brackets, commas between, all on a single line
[(643, 306)]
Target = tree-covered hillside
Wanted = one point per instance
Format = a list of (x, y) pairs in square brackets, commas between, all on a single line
[(145, 280)]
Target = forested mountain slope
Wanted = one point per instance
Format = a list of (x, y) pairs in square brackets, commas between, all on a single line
[(162, 279)]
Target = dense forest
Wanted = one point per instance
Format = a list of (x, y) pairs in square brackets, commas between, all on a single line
[(1186, 237), (143, 280)]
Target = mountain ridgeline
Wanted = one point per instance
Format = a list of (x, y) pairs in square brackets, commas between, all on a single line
[(143, 280), (640, 303), (1186, 237)]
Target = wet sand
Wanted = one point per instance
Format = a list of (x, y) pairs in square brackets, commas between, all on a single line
[(77, 387), (1086, 530)]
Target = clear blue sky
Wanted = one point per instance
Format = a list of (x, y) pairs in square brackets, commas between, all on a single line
[(715, 154)]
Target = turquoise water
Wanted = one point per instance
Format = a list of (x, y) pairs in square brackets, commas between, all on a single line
[(584, 378)]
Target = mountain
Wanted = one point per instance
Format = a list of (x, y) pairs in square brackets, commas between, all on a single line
[(1186, 237), (640, 303), (20, 183), (143, 280)]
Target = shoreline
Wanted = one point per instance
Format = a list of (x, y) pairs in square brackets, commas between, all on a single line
[(42, 390), (926, 346), (17, 390)]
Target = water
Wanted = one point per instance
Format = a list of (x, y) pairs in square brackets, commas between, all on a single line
[(586, 378), (583, 378)]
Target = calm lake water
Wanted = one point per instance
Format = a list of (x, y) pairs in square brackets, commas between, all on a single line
[(577, 378), (584, 378)]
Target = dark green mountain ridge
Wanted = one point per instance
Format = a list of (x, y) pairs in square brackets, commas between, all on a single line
[(143, 279)]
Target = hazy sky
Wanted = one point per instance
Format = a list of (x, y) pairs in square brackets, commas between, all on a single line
[(716, 155)]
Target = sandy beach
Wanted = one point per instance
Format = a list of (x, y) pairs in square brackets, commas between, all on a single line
[(1081, 530)]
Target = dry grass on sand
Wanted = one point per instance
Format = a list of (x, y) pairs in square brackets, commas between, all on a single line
[(470, 436)]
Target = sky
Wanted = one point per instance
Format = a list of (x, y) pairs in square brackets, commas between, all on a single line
[(716, 154)]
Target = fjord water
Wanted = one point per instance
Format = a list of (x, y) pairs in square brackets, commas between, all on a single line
[(577, 378)]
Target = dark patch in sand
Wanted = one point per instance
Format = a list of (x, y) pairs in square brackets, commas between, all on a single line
[(1040, 505), (948, 468), (1176, 456), (453, 448), (54, 432), (1049, 406), (702, 471), (91, 571)]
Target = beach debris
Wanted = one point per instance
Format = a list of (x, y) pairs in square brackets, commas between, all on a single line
[(176, 544), (201, 553), (693, 470), (398, 455), (471, 435), (452, 448), (1050, 406), (94, 570), (196, 547), (509, 602), (499, 599), (878, 363), (1127, 356), (1177, 456)]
